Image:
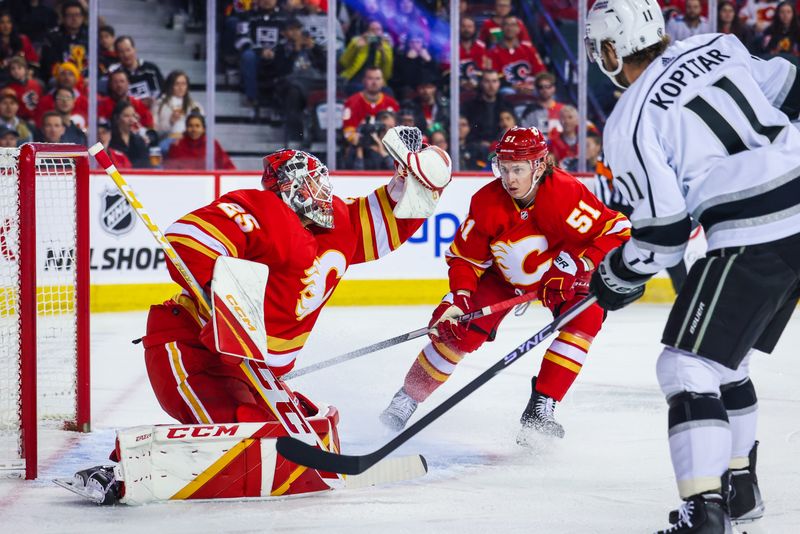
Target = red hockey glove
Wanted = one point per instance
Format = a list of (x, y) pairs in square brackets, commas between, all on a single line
[(569, 275), (444, 326)]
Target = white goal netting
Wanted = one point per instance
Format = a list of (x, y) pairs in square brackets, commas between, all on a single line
[(56, 330)]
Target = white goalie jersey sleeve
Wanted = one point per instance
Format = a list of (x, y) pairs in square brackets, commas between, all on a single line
[(704, 136)]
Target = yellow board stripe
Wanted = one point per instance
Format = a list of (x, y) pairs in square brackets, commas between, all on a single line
[(563, 362), (391, 222), (187, 391), (194, 245), (214, 231), (132, 297), (575, 340), (435, 374), (201, 479), (279, 344), (366, 229)]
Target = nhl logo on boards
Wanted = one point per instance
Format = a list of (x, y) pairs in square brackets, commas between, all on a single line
[(116, 215)]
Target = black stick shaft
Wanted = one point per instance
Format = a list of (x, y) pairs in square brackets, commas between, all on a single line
[(301, 453)]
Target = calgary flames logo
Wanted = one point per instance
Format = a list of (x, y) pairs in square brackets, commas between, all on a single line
[(510, 257), (315, 292)]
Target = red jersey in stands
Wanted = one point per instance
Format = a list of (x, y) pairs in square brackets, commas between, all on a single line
[(492, 32), (105, 108), (517, 64), (474, 60), (519, 244), (357, 108), (306, 264), (29, 94), (188, 153)]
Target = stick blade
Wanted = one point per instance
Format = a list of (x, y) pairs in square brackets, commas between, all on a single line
[(301, 453)]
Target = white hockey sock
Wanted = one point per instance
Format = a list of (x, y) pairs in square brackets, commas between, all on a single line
[(699, 442), (741, 405)]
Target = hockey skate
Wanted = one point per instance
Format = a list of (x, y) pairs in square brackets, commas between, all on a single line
[(399, 411), (701, 514), (98, 484), (744, 498), (539, 416)]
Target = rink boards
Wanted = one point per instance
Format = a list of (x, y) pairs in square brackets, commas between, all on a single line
[(128, 270)]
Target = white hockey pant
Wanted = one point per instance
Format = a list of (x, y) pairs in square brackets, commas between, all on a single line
[(712, 418)]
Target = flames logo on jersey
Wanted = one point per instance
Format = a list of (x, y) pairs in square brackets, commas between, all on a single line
[(517, 71), (510, 257), (315, 292)]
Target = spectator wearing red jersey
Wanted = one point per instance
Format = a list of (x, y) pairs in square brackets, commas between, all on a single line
[(545, 113), (13, 43), (366, 104), (119, 159), (118, 89), (67, 77), (492, 30), (28, 89), (564, 141), (472, 54), (518, 62), (189, 152)]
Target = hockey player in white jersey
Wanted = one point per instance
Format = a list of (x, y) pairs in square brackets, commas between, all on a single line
[(703, 133)]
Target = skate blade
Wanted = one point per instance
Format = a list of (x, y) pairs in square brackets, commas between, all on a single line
[(69, 484), (752, 527)]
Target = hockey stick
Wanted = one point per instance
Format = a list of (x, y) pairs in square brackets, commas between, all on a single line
[(258, 373), (298, 452), (477, 314)]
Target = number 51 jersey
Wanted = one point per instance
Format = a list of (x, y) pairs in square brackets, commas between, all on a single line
[(704, 134), (519, 244)]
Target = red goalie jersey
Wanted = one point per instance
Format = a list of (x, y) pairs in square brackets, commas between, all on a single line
[(519, 244), (306, 263)]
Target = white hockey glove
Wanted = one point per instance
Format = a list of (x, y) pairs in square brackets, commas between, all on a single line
[(424, 173)]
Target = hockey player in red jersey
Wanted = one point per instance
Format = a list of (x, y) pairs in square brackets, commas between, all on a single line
[(535, 228), (308, 238)]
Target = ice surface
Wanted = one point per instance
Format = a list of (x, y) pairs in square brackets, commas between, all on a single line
[(611, 473)]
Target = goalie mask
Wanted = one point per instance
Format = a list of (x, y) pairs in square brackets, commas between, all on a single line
[(520, 145), (302, 182)]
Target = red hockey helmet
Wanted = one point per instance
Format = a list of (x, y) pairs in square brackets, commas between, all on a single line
[(302, 182), (520, 144)]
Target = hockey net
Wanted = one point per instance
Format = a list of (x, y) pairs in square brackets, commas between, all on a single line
[(44, 262)]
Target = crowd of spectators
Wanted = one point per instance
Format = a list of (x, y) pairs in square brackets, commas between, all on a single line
[(393, 68), (44, 84)]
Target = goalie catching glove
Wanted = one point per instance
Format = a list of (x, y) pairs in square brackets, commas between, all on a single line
[(423, 172)]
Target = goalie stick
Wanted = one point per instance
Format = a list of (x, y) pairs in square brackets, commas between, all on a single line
[(414, 334), (298, 452)]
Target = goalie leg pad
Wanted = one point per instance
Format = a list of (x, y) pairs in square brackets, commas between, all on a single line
[(223, 461)]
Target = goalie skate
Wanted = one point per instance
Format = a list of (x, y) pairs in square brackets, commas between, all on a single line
[(97, 484)]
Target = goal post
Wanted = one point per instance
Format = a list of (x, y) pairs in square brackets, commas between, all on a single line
[(44, 305)]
